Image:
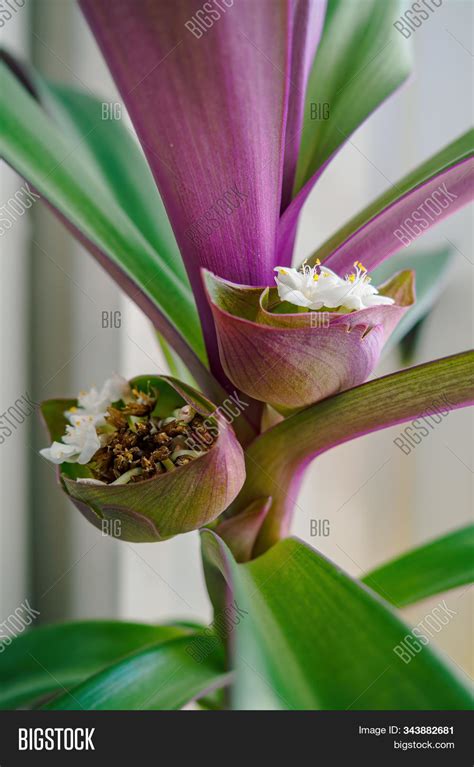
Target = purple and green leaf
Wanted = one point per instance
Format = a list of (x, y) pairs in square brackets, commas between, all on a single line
[(276, 460), (388, 224), (213, 127)]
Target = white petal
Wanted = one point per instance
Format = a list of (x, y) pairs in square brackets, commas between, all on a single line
[(89, 400), (90, 445), (333, 297), (354, 303), (116, 387), (295, 297), (328, 275), (289, 277), (317, 304), (78, 417), (376, 300), (58, 453)]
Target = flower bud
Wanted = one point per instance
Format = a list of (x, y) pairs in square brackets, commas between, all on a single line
[(165, 460), (291, 357)]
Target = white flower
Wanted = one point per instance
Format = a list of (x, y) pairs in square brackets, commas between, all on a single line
[(85, 439), (93, 402), (78, 446), (116, 387), (315, 287), (81, 440)]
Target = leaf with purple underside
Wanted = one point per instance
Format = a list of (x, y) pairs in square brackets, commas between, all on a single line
[(380, 230), (307, 28), (361, 60), (117, 159), (276, 460), (210, 124)]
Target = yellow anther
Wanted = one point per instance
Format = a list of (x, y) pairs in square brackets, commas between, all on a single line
[(283, 271), (351, 277), (318, 262), (315, 276)]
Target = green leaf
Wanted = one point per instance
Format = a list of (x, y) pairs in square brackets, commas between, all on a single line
[(437, 566), (430, 272), (361, 60), (54, 658), (163, 677), (60, 169), (314, 638), (118, 160), (275, 459)]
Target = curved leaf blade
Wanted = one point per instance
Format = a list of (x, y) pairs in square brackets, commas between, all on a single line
[(361, 60), (437, 566), (163, 677), (119, 162), (386, 225), (60, 169), (316, 639), (304, 41), (276, 459), (53, 658)]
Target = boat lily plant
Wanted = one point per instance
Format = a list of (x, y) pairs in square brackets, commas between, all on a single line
[(269, 359)]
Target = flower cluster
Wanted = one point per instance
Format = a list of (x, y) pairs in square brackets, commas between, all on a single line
[(318, 287), (118, 435), (81, 439)]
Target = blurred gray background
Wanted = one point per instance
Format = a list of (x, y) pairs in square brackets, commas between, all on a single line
[(378, 501)]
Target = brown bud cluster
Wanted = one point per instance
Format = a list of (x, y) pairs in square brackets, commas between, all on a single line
[(137, 440)]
